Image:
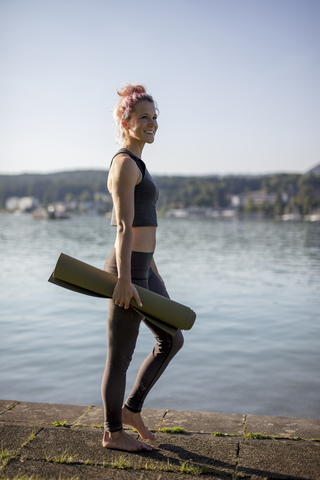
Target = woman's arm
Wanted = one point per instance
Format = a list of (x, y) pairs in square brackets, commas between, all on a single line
[(124, 177)]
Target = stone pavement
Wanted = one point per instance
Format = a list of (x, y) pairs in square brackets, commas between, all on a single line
[(48, 441)]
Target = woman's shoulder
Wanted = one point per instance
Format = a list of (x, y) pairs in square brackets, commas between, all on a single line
[(125, 157), (124, 170)]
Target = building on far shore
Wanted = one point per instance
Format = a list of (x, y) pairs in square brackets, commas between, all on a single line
[(21, 204), (258, 197)]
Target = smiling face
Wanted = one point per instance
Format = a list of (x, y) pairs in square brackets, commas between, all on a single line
[(142, 125)]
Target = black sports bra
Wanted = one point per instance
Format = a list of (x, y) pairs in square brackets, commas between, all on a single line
[(146, 195)]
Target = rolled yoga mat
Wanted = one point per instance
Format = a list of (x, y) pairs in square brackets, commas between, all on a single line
[(80, 277)]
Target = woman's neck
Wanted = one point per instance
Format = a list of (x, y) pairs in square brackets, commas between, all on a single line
[(134, 148)]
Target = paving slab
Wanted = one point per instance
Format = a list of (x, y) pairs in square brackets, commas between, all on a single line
[(204, 422), (200, 450), (83, 445), (54, 471), (43, 413), (5, 404), (92, 417), (283, 426), (280, 459), (13, 436)]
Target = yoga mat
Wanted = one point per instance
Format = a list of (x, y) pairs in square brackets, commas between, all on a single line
[(80, 277)]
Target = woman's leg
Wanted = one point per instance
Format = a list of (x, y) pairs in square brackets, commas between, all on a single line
[(154, 365), (123, 329), (122, 333)]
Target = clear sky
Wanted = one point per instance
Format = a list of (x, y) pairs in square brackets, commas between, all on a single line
[(236, 82)]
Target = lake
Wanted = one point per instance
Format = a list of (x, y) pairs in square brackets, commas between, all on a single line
[(254, 285)]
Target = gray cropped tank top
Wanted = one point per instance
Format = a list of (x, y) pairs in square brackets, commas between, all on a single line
[(146, 195)]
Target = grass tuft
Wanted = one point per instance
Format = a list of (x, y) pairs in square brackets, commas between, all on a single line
[(259, 436), (150, 467), (61, 424), (121, 463), (63, 458), (174, 430), (187, 467), (31, 437), (169, 467), (6, 456), (264, 436), (12, 405)]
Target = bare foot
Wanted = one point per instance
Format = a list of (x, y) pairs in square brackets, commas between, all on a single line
[(122, 441), (135, 421)]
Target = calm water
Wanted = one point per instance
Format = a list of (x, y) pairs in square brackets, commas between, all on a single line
[(255, 288)]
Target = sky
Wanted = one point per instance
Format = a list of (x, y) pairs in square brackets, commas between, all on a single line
[(236, 83)]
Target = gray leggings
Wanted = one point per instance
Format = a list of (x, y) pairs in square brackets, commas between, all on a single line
[(123, 329)]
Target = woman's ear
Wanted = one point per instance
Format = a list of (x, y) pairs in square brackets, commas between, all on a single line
[(124, 125)]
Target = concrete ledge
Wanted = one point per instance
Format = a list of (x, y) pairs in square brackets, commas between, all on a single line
[(205, 422), (306, 428), (44, 413), (32, 446)]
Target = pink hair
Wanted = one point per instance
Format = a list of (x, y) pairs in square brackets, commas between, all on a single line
[(130, 96)]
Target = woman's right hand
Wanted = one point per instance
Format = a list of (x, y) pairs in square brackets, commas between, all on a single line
[(123, 292)]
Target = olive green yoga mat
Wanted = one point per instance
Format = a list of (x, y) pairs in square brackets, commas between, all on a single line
[(83, 278)]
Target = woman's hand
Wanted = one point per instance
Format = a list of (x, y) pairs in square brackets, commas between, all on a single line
[(123, 292)]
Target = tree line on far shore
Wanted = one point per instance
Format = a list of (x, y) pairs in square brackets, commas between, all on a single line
[(295, 192)]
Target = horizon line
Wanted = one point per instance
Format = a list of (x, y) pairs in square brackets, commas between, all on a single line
[(279, 172)]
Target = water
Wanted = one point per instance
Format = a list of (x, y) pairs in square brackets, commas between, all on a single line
[(254, 285)]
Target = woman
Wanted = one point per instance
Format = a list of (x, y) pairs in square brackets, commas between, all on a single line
[(134, 197)]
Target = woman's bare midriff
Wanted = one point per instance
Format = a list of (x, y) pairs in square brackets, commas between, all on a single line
[(144, 239)]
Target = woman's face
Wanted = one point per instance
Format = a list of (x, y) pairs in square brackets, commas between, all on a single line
[(142, 124)]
